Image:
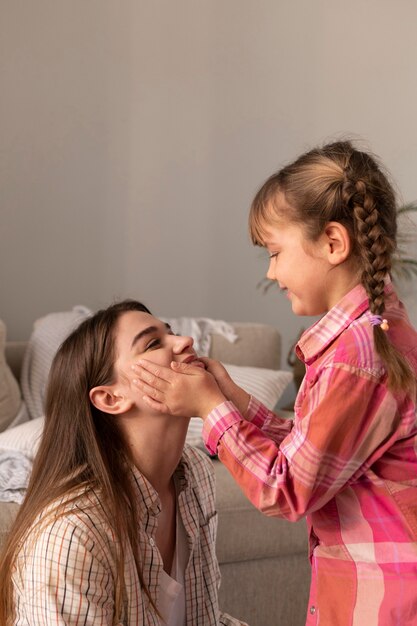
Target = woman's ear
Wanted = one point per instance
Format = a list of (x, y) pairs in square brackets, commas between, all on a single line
[(109, 400), (337, 242)]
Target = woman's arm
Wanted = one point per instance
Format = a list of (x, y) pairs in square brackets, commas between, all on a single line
[(64, 578)]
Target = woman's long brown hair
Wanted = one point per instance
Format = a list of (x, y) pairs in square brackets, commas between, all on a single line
[(81, 449)]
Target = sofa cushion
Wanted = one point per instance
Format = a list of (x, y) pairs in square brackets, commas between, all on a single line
[(257, 345), (245, 533), (10, 398), (265, 384)]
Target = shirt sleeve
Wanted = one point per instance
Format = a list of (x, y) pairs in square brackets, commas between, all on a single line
[(270, 423), (64, 579), (345, 421), (226, 415)]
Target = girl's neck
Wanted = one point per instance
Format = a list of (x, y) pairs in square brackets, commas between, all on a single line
[(342, 280)]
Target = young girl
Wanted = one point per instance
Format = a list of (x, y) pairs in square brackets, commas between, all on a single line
[(348, 462), (118, 525)]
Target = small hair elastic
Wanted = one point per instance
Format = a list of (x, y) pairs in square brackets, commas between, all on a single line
[(378, 320)]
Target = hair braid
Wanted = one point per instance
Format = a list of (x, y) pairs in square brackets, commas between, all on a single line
[(375, 248)]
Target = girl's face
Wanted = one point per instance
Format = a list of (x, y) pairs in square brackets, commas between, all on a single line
[(300, 268)]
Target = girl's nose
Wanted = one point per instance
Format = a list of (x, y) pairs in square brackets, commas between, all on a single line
[(181, 343), (270, 273)]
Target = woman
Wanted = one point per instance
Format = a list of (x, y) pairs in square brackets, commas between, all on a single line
[(118, 525)]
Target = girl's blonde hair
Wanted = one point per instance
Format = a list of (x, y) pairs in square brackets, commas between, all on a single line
[(82, 449), (341, 183)]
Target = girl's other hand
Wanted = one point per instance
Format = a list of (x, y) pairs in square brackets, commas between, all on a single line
[(228, 387), (185, 390)]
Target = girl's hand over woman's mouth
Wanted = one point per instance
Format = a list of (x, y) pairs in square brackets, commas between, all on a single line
[(184, 389)]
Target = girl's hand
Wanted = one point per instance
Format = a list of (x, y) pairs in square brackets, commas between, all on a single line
[(228, 387), (184, 390)]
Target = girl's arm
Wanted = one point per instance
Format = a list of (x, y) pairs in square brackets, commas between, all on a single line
[(271, 424), (192, 391), (345, 421), (227, 386), (248, 406)]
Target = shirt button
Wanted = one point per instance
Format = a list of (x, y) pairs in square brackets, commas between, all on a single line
[(152, 542), (312, 609)]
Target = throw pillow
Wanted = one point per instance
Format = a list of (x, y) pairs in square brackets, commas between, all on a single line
[(23, 438), (10, 398), (266, 385), (47, 335)]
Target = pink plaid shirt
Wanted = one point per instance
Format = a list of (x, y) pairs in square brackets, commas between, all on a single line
[(348, 462)]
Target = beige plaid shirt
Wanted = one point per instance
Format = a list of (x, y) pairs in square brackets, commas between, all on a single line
[(67, 576)]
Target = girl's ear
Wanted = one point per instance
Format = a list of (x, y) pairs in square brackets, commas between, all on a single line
[(107, 399), (338, 245)]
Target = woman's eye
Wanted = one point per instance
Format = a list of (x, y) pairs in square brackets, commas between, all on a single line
[(155, 343), (273, 255)]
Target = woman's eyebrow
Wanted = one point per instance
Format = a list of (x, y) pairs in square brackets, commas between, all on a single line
[(147, 331)]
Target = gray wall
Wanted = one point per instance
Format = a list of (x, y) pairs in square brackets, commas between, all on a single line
[(134, 135)]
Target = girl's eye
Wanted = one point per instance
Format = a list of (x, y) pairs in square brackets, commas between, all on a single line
[(273, 255)]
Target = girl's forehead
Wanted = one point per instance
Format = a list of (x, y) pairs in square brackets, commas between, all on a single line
[(272, 236), (275, 227), (284, 230)]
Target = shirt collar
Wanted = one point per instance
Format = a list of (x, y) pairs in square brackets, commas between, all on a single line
[(148, 497), (319, 336)]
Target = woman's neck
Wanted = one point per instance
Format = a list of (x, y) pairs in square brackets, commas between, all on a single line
[(155, 443)]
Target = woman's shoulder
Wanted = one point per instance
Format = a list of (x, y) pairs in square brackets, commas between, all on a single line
[(69, 522), (198, 461), (200, 483), (200, 469)]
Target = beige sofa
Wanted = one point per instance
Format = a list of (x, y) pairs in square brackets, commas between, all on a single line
[(264, 562)]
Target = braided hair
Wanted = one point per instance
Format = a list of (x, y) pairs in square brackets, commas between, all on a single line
[(340, 183)]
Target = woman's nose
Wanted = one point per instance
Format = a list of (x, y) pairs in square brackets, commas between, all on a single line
[(180, 343)]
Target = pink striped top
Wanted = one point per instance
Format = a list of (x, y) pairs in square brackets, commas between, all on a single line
[(348, 462)]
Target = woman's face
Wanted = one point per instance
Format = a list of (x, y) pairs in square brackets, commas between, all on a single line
[(140, 335)]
